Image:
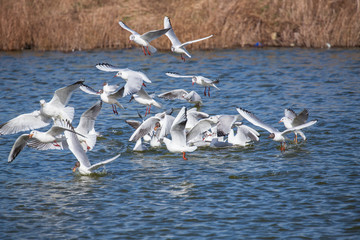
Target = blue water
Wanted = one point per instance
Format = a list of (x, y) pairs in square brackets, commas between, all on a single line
[(310, 191)]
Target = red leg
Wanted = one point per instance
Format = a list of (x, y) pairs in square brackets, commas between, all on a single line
[(149, 108), (209, 91), (56, 144), (184, 156), (205, 91), (147, 48), (146, 110), (144, 51)]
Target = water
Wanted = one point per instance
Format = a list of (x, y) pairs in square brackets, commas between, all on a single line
[(310, 191)]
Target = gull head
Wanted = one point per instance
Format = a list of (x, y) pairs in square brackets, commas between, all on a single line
[(172, 49), (157, 125), (193, 80), (272, 135), (42, 102), (119, 74), (132, 37), (32, 134), (77, 164)]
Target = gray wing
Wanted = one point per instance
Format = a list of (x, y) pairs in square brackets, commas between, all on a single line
[(119, 93), (225, 124), (200, 127), (88, 90), (25, 122), (36, 144), (151, 35), (100, 164), (132, 86), (301, 118), (254, 120), (123, 25), (62, 95), (177, 130), (18, 146), (174, 94), (133, 123), (76, 148)]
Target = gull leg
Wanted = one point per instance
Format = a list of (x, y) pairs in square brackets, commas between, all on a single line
[(144, 51), (209, 91), (205, 91), (146, 110), (114, 109), (184, 156), (56, 144), (149, 108), (147, 48)]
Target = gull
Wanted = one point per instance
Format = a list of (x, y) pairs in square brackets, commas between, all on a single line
[(83, 164), (200, 80), (196, 133), (144, 98), (109, 97), (40, 139), (244, 135), (53, 110), (192, 97), (275, 134), (193, 116), (291, 119), (134, 79), (139, 146), (225, 124), (177, 46), (178, 136), (144, 39)]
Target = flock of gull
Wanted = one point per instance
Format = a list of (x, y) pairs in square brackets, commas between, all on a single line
[(181, 133)]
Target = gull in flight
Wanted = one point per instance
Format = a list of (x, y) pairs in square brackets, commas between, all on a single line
[(275, 134), (83, 164), (107, 95), (177, 46), (144, 98), (200, 80), (178, 142), (244, 135), (192, 97), (134, 79), (144, 39), (54, 110), (40, 140), (291, 119)]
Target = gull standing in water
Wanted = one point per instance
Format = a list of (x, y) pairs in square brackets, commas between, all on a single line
[(134, 79), (54, 110), (178, 142), (291, 119), (200, 80), (275, 134), (144, 39), (177, 46)]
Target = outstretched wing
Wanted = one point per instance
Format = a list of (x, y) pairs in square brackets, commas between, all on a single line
[(146, 127), (123, 25), (170, 34), (301, 118), (194, 41), (174, 94), (62, 95), (151, 35), (305, 125), (176, 75), (18, 146), (100, 164), (25, 122), (108, 67), (254, 120)]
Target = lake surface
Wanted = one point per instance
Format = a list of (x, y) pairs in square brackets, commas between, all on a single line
[(310, 191)]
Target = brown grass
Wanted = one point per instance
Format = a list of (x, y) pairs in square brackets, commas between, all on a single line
[(88, 24)]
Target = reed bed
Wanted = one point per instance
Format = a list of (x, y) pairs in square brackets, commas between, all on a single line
[(87, 24)]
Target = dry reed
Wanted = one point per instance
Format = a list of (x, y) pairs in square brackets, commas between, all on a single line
[(88, 24)]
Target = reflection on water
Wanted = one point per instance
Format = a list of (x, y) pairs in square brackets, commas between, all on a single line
[(310, 191)]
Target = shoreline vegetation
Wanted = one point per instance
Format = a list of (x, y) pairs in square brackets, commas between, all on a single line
[(68, 25)]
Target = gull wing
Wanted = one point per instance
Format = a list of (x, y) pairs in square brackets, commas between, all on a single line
[(76, 148), (194, 41), (88, 90), (254, 120), (133, 123), (305, 125), (177, 130), (132, 86), (225, 123), (176, 75), (289, 113), (151, 35), (170, 34), (62, 95), (100, 164), (146, 127), (123, 25), (106, 67), (174, 94), (25, 122), (18, 146), (87, 119), (301, 118), (200, 127), (247, 133)]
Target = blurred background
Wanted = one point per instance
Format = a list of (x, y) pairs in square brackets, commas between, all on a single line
[(69, 25)]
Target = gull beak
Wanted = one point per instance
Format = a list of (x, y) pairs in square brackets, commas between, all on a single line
[(193, 83), (155, 128), (132, 97), (280, 121), (144, 84), (31, 135), (74, 169), (114, 76)]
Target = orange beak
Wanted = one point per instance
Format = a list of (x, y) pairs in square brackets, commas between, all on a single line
[(31, 135), (193, 83), (74, 169)]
